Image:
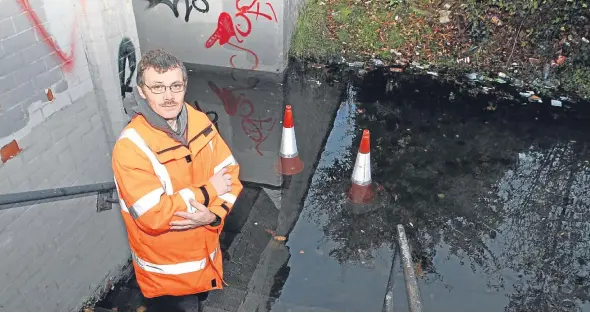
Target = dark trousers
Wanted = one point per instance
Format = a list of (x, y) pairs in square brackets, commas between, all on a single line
[(190, 303)]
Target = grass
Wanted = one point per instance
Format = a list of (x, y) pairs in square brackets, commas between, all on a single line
[(495, 34), (579, 82), (362, 29), (312, 38)]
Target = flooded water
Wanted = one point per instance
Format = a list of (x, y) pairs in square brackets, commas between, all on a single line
[(498, 198), (493, 193)]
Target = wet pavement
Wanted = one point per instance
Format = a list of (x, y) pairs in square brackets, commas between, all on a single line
[(493, 193)]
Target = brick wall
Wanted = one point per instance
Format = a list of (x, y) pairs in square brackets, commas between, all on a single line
[(55, 255)]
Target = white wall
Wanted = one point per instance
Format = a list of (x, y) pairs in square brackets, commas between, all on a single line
[(55, 255), (264, 36)]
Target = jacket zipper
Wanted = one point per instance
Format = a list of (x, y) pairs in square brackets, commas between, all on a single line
[(206, 130)]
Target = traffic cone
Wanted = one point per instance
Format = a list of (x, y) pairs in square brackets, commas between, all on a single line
[(290, 163), (361, 191)]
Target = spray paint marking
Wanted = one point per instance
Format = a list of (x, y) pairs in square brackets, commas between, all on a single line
[(226, 28), (68, 60), (189, 6), (257, 129), (126, 53)]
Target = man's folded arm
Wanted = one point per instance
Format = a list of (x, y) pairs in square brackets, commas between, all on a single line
[(224, 203), (143, 194)]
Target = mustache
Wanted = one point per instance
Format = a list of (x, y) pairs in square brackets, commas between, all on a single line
[(169, 103)]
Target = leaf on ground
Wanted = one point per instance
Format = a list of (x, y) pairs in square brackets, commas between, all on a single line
[(280, 238)]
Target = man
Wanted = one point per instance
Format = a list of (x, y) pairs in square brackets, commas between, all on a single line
[(177, 181)]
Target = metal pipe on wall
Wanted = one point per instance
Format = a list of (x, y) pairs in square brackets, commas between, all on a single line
[(37, 195)]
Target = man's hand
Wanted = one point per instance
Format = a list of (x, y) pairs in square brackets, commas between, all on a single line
[(193, 220), (221, 181)]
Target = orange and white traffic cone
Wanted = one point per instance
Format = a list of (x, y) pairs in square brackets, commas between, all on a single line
[(290, 163), (361, 191)]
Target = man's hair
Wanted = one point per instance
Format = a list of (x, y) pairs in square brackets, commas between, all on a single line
[(161, 61)]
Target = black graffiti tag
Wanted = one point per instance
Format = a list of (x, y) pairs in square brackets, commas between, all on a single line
[(199, 5), (126, 53)]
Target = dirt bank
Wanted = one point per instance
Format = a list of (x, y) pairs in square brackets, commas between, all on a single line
[(538, 45)]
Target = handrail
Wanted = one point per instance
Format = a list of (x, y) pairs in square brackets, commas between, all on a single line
[(36, 195), (411, 284), (412, 289)]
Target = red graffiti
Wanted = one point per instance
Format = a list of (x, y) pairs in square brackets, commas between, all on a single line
[(227, 29), (224, 31), (68, 60), (256, 129)]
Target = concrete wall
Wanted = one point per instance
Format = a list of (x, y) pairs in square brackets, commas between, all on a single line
[(249, 106), (57, 254), (229, 33)]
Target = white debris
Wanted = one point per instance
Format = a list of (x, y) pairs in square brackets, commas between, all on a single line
[(527, 94), (502, 75), (556, 103), (432, 73), (445, 16), (378, 62)]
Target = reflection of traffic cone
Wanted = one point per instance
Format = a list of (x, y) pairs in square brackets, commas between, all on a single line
[(361, 191), (290, 163)]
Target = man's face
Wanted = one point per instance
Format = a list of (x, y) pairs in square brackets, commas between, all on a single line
[(158, 91)]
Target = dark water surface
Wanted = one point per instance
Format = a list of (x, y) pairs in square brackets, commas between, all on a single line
[(494, 194)]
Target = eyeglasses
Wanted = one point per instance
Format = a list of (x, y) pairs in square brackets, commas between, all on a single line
[(176, 88)]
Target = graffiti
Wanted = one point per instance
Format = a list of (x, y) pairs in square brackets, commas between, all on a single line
[(67, 60), (126, 53), (240, 24), (199, 5), (213, 116), (256, 128)]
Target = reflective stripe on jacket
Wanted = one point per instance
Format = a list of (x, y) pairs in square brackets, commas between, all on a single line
[(156, 176)]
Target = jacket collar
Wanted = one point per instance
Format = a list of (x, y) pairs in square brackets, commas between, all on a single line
[(141, 107), (166, 143)]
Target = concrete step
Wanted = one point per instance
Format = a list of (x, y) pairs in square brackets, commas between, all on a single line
[(244, 254), (122, 299)]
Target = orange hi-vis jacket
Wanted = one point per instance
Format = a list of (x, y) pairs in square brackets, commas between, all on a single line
[(156, 176)]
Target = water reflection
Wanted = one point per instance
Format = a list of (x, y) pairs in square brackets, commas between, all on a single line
[(355, 237), (332, 267), (545, 233), (495, 201), (248, 106)]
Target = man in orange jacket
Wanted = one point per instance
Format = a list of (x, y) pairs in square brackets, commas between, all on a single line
[(177, 181)]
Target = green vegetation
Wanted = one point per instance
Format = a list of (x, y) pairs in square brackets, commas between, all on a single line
[(518, 37), (311, 38)]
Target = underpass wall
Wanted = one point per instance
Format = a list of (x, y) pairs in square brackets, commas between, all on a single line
[(229, 33), (61, 108)]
